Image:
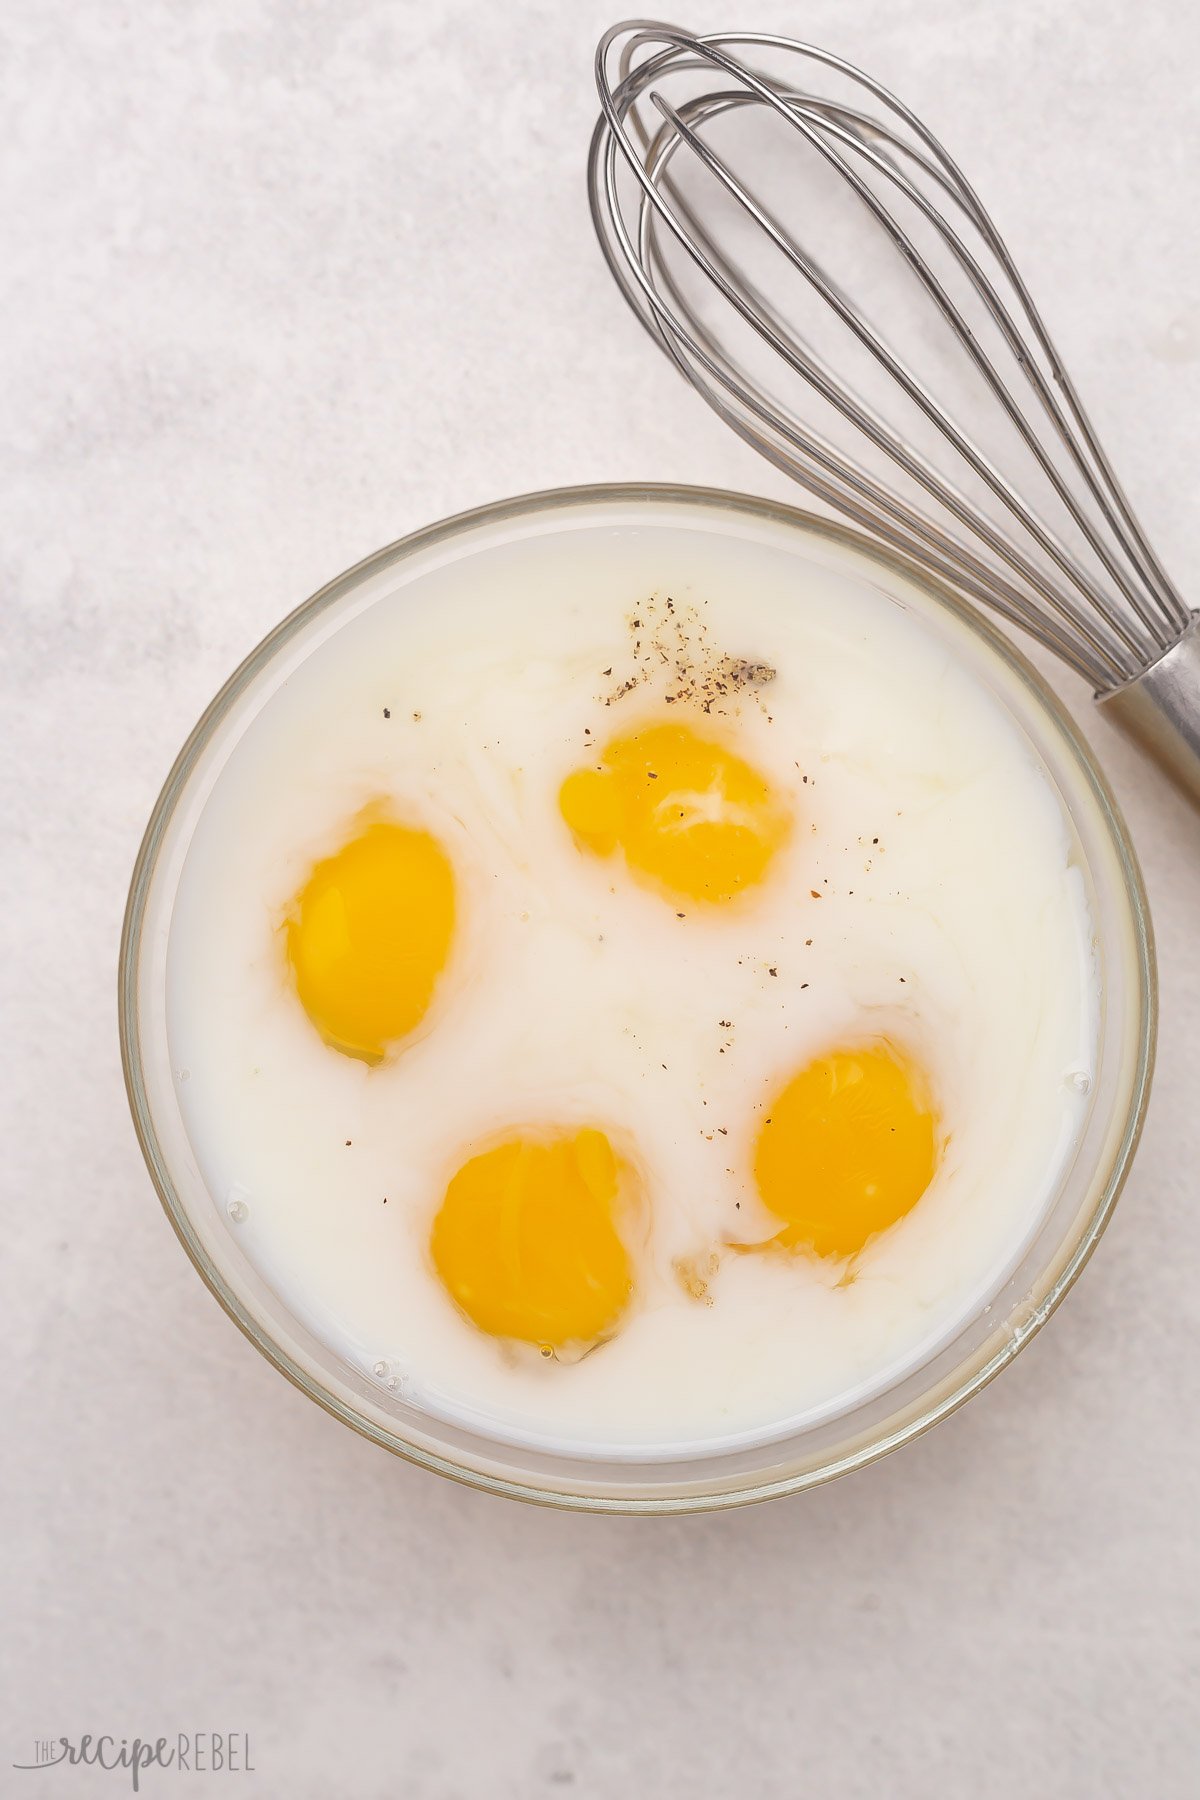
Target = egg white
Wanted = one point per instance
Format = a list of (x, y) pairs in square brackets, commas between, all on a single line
[(930, 865)]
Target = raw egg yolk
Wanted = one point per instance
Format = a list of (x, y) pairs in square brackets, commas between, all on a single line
[(846, 1149), (689, 815), (526, 1239), (369, 935)]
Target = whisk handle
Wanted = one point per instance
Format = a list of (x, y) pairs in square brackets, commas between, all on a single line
[(1160, 709)]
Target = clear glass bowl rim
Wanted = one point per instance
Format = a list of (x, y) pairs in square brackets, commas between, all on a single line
[(977, 1371)]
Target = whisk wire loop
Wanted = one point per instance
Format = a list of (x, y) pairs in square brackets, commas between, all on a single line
[(1110, 617)]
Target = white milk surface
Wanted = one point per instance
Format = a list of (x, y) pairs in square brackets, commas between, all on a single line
[(950, 918)]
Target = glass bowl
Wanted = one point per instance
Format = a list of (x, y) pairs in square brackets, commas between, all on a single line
[(1024, 1295)]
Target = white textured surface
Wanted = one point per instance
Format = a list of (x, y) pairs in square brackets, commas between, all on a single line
[(281, 282)]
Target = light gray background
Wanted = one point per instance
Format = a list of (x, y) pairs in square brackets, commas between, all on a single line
[(284, 279)]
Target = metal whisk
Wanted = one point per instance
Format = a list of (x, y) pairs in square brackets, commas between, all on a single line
[(724, 190)]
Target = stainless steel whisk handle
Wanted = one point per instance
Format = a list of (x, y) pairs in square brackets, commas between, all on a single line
[(1160, 709)]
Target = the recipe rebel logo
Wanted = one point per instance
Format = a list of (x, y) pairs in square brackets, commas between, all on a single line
[(188, 1753)]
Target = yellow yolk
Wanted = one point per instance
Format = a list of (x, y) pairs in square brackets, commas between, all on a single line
[(526, 1239), (369, 935), (688, 814), (846, 1149)]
